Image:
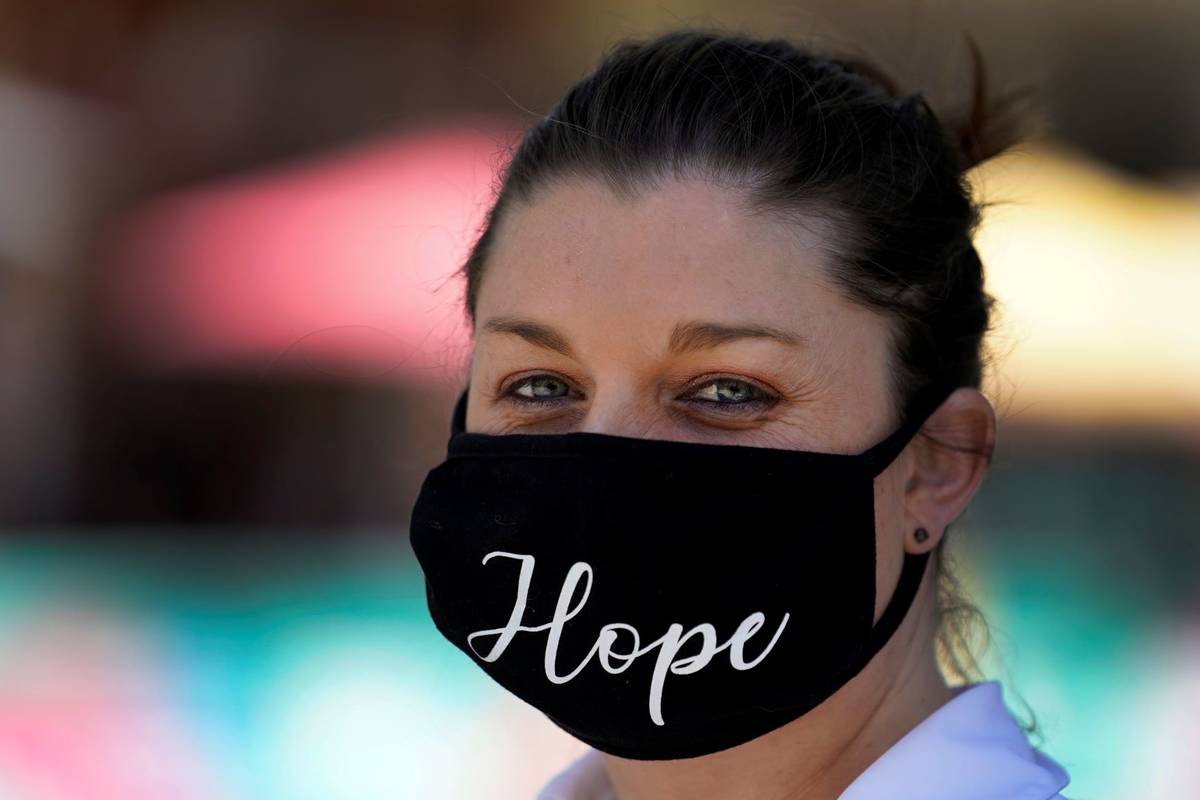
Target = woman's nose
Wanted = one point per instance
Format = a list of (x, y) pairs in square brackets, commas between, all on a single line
[(621, 415)]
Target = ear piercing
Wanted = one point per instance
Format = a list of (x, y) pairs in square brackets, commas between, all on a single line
[(921, 535)]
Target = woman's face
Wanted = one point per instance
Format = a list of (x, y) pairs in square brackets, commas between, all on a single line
[(678, 316)]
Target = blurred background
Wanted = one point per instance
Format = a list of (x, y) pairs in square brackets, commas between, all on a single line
[(230, 338)]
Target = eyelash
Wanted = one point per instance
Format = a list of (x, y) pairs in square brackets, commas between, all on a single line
[(763, 400)]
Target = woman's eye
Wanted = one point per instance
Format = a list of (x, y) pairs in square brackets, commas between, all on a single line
[(538, 390), (727, 391)]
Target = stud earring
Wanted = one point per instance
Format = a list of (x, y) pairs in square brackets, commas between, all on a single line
[(921, 535)]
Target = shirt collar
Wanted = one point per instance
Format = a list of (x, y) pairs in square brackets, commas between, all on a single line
[(969, 749)]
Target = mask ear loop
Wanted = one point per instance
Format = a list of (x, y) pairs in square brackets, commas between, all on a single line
[(877, 458), (912, 572), (458, 419)]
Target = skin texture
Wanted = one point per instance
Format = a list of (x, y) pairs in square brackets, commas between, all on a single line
[(608, 281)]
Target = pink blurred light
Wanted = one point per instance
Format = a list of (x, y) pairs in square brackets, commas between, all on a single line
[(344, 264), (101, 750), (85, 712)]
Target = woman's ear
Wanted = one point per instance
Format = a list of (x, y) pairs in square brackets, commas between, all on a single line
[(947, 465)]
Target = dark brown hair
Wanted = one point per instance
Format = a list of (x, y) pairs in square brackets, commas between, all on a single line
[(801, 134)]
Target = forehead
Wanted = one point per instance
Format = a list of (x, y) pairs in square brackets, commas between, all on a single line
[(578, 253)]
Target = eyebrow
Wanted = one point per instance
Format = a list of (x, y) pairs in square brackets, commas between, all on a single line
[(699, 335), (533, 332), (685, 336)]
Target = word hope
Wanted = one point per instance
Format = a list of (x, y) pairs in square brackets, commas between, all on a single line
[(613, 662)]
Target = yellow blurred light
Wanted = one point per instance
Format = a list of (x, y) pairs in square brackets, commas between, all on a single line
[(1098, 281)]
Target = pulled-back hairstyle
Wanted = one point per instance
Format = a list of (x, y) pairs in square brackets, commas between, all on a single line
[(802, 135)]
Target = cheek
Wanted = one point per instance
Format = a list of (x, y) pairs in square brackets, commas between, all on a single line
[(889, 537)]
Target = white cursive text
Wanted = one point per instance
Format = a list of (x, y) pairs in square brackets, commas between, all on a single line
[(611, 659)]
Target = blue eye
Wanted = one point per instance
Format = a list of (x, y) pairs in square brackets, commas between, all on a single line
[(730, 397), (727, 391), (537, 390)]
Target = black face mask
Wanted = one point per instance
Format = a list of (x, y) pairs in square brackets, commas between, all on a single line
[(659, 599)]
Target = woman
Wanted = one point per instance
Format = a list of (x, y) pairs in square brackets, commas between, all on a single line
[(685, 511)]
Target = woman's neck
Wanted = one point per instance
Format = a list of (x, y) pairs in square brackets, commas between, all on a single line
[(818, 755)]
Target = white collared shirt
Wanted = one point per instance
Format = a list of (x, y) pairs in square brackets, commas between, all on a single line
[(969, 749)]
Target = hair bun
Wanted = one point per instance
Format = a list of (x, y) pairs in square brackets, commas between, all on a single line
[(990, 126)]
